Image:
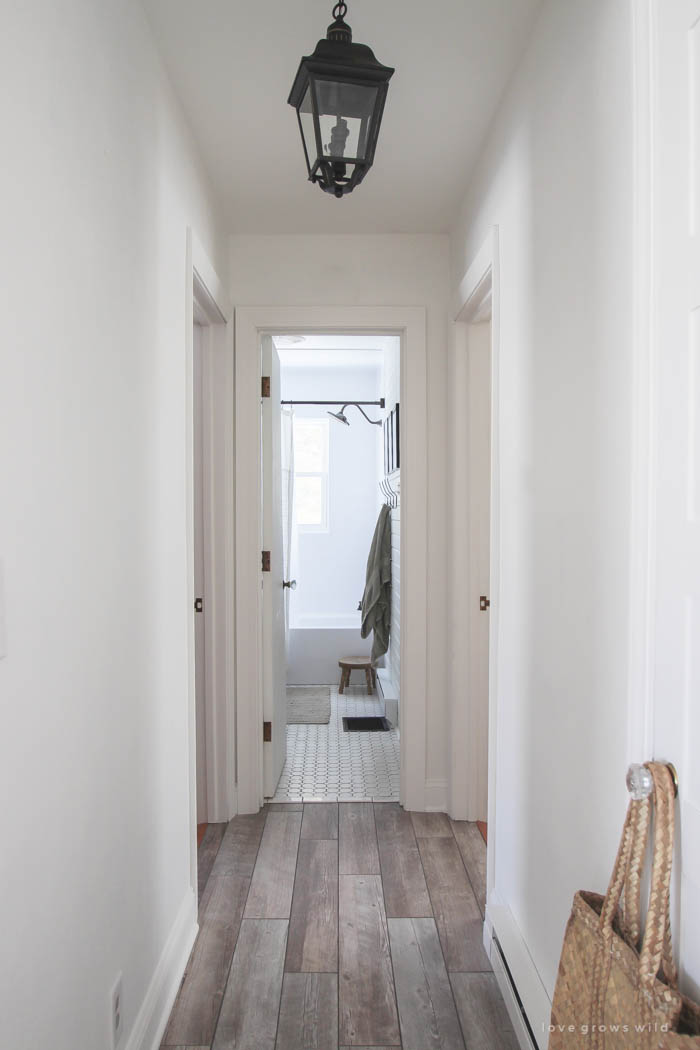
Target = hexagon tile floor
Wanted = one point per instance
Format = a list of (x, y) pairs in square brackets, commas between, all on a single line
[(324, 763)]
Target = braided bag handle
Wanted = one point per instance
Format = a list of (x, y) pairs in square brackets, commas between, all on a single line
[(631, 919), (627, 872), (656, 949)]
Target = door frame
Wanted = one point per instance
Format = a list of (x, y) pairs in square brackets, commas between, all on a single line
[(207, 302), (479, 288), (645, 421), (410, 324)]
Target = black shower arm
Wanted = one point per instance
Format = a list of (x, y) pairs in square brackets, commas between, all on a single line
[(379, 404), (374, 422)]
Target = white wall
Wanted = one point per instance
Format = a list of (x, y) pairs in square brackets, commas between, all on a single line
[(331, 566), (555, 176), (382, 270), (99, 181)]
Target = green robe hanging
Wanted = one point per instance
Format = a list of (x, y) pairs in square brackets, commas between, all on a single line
[(376, 601)]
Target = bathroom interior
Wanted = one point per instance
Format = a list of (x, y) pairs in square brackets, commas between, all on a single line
[(340, 479)]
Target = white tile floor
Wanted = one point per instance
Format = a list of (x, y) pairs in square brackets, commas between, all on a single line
[(324, 763)]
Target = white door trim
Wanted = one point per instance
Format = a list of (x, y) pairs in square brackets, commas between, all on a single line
[(479, 286), (643, 491), (207, 300), (410, 324)]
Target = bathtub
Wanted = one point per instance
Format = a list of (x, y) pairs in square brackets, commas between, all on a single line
[(314, 652)]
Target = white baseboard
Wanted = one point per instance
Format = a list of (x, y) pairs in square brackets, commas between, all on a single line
[(436, 795), (520, 1028), (152, 1018), (518, 975), (391, 712), (387, 684), (387, 691)]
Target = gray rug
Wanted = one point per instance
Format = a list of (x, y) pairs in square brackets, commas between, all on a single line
[(309, 704)]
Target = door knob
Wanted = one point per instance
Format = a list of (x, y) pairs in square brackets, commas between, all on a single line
[(292, 584)]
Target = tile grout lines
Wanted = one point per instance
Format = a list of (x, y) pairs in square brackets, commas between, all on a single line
[(326, 764)]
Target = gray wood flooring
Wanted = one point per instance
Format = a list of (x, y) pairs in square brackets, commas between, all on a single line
[(367, 1001), (207, 853), (346, 926), (313, 927)]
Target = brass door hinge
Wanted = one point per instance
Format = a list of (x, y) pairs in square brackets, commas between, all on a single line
[(199, 605), (265, 386), (265, 561), (267, 732), (484, 603)]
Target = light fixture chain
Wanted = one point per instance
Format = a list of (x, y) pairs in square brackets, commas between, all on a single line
[(340, 10)]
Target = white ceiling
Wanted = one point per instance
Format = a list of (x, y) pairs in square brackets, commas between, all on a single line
[(232, 63), (306, 359), (333, 351)]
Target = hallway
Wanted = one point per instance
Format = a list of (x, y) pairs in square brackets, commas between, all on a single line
[(331, 925), (528, 239)]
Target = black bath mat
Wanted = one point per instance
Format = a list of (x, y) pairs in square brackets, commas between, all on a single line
[(366, 725)]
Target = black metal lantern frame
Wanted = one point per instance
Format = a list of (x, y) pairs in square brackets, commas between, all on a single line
[(339, 94)]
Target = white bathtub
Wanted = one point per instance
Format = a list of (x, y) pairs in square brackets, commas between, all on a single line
[(314, 653)]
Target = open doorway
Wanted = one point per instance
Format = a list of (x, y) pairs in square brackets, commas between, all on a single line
[(331, 523), (253, 324)]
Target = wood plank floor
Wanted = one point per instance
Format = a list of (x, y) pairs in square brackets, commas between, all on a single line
[(345, 926)]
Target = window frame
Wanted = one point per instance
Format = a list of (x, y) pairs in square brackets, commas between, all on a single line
[(324, 474)]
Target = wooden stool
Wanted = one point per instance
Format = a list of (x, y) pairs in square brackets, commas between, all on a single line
[(356, 663)]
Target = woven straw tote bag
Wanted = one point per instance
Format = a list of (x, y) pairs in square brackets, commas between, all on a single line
[(613, 993)]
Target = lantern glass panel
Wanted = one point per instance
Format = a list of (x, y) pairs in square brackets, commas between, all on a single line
[(306, 120), (345, 117)]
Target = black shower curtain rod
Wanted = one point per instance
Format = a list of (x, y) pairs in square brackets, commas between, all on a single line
[(345, 404)]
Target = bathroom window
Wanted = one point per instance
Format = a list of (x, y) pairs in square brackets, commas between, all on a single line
[(311, 474)]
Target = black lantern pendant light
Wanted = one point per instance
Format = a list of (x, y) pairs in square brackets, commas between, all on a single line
[(339, 95)]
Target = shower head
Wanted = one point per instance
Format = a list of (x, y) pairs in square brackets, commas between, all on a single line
[(340, 416)]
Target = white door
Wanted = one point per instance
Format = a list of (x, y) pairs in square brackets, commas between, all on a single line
[(677, 613), (199, 662), (273, 634), (479, 408)]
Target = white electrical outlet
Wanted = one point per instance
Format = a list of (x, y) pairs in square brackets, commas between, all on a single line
[(117, 1012)]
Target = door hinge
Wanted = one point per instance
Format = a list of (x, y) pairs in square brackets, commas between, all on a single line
[(199, 605), (267, 732), (265, 561), (265, 386), (484, 603)]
